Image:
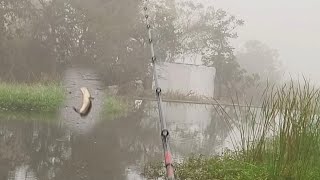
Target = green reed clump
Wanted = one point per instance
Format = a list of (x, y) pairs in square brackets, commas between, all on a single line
[(279, 140), (284, 134), (30, 97), (115, 106)]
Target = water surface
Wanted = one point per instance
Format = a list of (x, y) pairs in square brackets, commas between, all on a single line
[(67, 147)]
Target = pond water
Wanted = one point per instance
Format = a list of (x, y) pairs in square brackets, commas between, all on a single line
[(67, 147)]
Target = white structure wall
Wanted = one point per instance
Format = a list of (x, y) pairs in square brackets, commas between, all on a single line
[(187, 77)]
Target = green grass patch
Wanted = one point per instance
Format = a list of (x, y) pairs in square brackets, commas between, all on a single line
[(31, 97), (178, 95), (210, 168), (115, 106)]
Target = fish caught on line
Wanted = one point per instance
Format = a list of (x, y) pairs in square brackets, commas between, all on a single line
[(86, 103)]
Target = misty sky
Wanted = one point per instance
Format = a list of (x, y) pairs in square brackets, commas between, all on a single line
[(291, 26)]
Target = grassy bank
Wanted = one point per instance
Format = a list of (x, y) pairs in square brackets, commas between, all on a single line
[(279, 141), (30, 97), (210, 168)]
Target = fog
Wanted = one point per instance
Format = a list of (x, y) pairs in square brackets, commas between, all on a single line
[(206, 55), (291, 26)]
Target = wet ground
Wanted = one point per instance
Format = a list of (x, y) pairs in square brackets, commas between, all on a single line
[(67, 147)]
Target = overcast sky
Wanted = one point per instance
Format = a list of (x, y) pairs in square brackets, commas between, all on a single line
[(291, 26)]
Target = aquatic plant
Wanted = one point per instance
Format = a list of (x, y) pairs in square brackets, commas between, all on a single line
[(115, 106)]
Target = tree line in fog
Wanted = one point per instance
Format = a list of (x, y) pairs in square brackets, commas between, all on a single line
[(39, 36)]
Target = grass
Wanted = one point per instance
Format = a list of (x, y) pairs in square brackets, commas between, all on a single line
[(279, 141), (210, 168), (30, 97), (115, 106), (178, 95)]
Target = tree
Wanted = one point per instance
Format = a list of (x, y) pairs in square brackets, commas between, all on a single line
[(207, 32), (113, 36), (121, 48), (110, 34), (18, 49), (257, 57)]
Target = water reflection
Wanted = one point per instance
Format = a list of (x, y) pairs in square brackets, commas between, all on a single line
[(22, 172), (28, 146), (74, 79), (194, 128), (118, 148), (37, 148)]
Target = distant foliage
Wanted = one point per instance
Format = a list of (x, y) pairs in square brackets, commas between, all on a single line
[(39, 36), (257, 58)]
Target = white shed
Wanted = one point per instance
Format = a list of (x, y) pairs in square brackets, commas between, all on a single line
[(186, 77)]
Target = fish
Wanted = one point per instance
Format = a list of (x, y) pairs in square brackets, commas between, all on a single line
[(86, 103)]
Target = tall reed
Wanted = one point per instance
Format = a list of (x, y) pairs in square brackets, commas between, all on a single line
[(284, 133)]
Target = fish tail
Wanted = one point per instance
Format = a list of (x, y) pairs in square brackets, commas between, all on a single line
[(76, 110)]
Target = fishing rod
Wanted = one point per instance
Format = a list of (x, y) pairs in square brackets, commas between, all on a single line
[(164, 131)]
